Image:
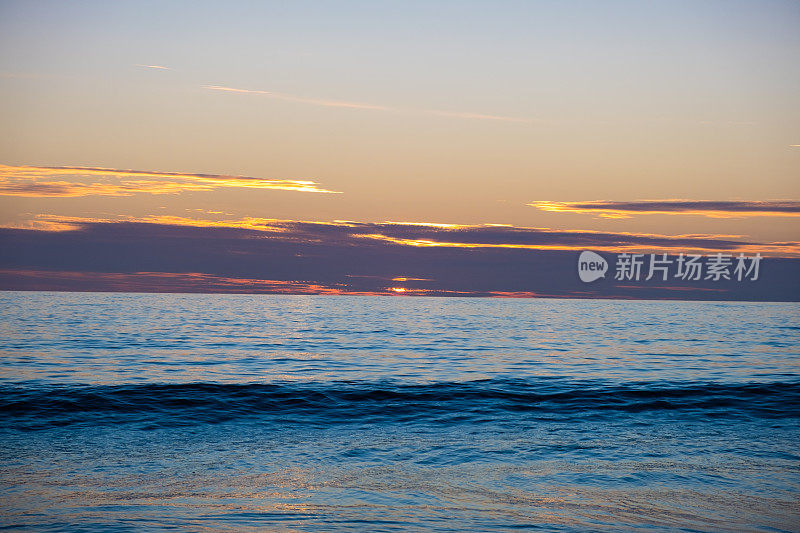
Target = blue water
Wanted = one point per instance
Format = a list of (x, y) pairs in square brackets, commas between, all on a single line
[(132, 412)]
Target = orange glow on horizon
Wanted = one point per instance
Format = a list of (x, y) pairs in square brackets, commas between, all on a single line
[(194, 282)]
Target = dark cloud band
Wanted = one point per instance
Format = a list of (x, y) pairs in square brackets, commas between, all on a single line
[(358, 258)]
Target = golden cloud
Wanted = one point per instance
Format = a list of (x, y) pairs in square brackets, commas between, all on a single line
[(40, 181), (706, 208)]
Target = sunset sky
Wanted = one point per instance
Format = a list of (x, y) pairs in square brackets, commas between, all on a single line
[(622, 121)]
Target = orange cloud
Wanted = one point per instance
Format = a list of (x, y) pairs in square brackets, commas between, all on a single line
[(45, 222), (707, 208), (782, 248), (36, 181)]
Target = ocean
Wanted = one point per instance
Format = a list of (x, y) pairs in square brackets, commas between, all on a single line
[(200, 412)]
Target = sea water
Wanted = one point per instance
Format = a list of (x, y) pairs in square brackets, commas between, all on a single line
[(137, 412)]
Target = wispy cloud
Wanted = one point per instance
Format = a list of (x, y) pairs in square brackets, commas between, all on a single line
[(707, 208), (360, 105), (36, 181), (300, 99), (156, 67)]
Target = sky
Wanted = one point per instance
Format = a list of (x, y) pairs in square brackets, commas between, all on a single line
[(622, 120)]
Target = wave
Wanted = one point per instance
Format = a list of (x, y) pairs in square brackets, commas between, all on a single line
[(26, 408)]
